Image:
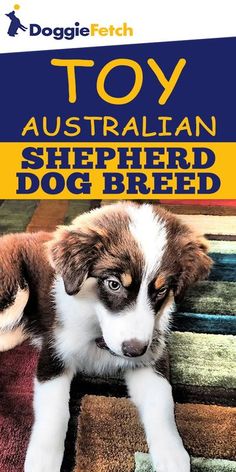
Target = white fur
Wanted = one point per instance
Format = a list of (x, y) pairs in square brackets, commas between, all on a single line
[(78, 328), (152, 395), (51, 409), (164, 315), (12, 315), (149, 231)]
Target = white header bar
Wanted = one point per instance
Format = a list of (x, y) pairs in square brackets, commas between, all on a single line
[(110, 23)]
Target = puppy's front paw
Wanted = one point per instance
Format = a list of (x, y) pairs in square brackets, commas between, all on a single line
[(43, 459), (171, 457)]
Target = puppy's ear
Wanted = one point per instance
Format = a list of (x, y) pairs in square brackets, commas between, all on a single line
[(71, 253), (195, 264)]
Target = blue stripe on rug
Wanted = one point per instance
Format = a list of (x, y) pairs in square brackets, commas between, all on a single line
[(224, 267), (204, 323)]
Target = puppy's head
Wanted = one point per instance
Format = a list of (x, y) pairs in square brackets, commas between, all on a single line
[(141, 257)]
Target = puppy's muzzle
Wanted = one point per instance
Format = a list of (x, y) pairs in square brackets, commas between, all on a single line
[(134, 348)]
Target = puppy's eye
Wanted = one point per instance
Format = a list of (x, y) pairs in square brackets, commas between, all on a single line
[(113, 285), (162, 291)]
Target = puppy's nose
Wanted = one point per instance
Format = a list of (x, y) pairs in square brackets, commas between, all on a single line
[(133, 348)]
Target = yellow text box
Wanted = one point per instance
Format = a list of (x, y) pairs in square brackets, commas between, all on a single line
[(223, 167)]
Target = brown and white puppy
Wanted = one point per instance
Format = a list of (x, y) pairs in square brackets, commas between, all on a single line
[(104, 307)]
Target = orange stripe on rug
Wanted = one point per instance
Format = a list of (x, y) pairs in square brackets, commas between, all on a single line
[(201, 202), (211, 224), (48, 215), (201, 209), (109, 433)]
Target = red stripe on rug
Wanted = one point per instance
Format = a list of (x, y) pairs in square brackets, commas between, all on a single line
[(17, 369), (48, 215)]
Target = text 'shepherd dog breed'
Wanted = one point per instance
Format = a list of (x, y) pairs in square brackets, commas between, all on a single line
[(97, 297)]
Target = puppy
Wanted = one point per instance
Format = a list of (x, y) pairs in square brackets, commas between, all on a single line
[(97, 297)]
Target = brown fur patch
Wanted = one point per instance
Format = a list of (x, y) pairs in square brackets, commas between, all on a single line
[(185, 259), (95, 243)]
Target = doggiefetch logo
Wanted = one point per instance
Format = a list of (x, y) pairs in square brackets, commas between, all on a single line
[(68, 32), (15, 22)]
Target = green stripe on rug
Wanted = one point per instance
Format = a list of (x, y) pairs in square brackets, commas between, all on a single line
[(76, 208), (198, 464), (203, 359), (16, 214), (210, 297), (224, 247)]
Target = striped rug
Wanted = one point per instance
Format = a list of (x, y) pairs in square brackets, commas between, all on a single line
[(202, 351)]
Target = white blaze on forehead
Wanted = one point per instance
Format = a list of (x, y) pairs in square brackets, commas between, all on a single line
[(149, 231)]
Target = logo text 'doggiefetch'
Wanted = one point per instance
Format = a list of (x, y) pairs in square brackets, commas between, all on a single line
[(65, 32), (77, 30)]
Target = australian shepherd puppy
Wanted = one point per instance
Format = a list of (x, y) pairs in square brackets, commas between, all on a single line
[(97, 297)]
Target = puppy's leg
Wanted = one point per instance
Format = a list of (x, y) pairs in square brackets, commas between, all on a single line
[(152, 395), (51, 409)]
